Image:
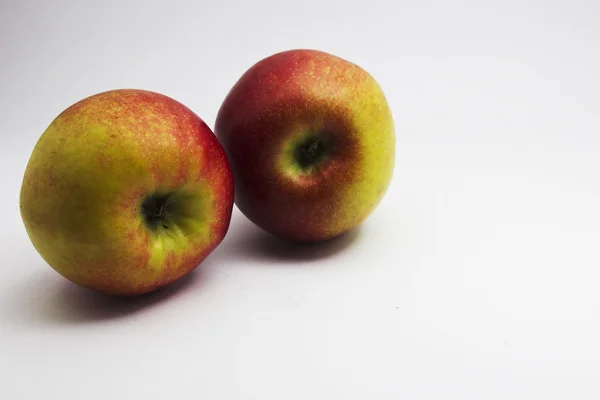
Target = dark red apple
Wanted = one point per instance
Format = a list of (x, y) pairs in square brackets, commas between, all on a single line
[(311, 142)]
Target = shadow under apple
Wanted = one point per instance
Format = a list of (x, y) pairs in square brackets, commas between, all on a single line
[(248, 241), (46, 299)]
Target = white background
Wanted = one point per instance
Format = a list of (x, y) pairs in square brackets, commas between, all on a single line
[(476, 278)]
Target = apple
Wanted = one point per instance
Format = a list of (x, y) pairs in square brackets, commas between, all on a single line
[(126, 191), (311, 142)]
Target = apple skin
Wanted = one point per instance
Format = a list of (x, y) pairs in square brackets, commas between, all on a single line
[(126, 191), (311, 142)]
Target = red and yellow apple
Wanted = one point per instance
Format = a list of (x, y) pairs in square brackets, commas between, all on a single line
[(126, 191), (310, 138)]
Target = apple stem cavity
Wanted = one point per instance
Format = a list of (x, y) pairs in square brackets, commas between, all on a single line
[(310, 152), (155, 209)]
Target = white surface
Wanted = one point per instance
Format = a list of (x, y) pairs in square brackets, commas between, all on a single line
[(476, 278)]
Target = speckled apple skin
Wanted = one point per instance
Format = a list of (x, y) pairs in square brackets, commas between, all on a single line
[(281, 100)]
